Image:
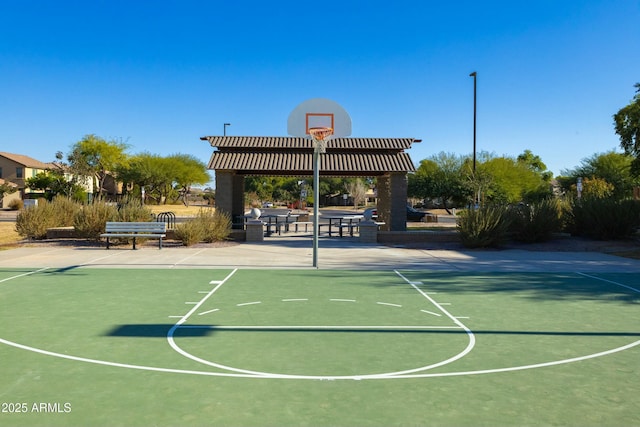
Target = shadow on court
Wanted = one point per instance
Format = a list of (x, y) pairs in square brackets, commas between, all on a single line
[(161, 331)]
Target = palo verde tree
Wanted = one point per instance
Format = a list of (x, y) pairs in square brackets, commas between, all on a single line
[(96, 157), (627, 126), (441, 177), (164, 179), (187, 170)]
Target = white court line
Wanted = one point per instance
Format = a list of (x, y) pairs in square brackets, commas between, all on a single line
[(352, 377), (101, 258), (186, 258), (207, 312), (609, 281), (197, 306), (431, 312), (295, 299), (342, 300), (23, 274), (467, 350), (248, 303), (388, 303), (316, 327)]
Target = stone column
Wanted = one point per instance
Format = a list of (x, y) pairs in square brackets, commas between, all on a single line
[(230, 194), (255, 231), (384, 202), (398, 200), (368, 232)]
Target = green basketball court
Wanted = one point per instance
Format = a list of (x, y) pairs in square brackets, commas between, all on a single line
[(96, 346)]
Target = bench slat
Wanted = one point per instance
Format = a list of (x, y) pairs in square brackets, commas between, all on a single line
[(150, 230)]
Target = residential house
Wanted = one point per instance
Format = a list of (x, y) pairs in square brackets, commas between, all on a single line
[(16, 168), (7, 198)]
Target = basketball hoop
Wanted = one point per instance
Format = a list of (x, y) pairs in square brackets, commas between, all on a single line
[(320, 136)]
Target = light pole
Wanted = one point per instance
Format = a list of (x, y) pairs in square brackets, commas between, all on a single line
[(224, 132), (475, 77)]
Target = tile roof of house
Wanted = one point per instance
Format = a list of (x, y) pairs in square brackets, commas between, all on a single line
[(26, 160)]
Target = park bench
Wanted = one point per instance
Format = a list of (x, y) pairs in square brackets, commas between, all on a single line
[(147, 230)]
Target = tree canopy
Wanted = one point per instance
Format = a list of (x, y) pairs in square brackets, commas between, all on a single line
[(96, 157), (611, 167), (627, 126), (451, 180)]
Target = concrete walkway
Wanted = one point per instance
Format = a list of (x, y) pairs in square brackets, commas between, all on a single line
[(334, 253)]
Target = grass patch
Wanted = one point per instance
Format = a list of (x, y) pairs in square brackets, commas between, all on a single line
[(8, 234), (179, 210)]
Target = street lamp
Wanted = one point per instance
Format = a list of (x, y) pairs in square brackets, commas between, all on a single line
[(475, 76), (224, 132)]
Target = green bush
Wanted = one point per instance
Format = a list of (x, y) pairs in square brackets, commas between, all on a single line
[(536, 222), (604, 219), (33, 221), (190, 232), (484, 227), (90, 221)]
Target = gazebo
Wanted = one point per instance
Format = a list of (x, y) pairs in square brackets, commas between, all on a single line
[(235, 157)]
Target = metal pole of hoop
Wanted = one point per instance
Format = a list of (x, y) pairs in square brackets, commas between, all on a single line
[(320, 136)]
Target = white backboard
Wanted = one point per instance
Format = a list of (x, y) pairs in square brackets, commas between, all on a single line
[(319, 112)]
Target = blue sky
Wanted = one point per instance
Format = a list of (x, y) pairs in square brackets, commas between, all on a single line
[(158, 75)]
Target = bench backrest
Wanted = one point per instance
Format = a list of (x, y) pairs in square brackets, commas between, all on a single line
[(138, 227)]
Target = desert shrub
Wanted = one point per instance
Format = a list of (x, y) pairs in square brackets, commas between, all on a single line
[(91, 220), (132, 210), (64, 210), (33, 222), (190, 232), (207, 226), (16, 205), (484, 227), (604, 219), (216, 225), (535, 222)]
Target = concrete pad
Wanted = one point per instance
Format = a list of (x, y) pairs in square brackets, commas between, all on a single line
[(333, 253)]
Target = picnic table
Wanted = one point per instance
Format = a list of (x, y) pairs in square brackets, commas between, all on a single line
[(278, 222), (342, 222)]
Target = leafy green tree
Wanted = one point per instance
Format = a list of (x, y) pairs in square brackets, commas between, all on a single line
[(536, 164), (627, 126), (96, 157), (613, 168), (53, 183), (7, 188), (515, 181), (151, 172), (187, 171), (441, 177)]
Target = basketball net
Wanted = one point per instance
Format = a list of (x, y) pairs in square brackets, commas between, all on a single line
[(320, 136)]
